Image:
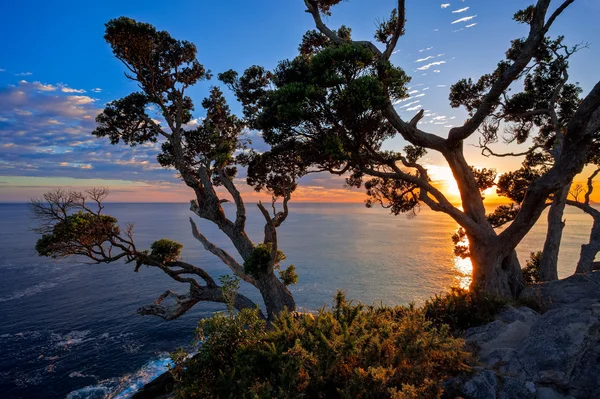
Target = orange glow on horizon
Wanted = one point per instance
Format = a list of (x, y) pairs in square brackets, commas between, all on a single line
[(20, 189)]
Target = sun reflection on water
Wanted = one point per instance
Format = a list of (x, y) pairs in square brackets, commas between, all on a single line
[(464, 267)]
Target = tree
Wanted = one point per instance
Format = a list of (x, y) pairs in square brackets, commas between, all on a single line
[(205, 157), (541, 111), (590, 250), (331, 108)]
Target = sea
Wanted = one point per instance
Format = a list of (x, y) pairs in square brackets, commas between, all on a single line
[(69, 328)]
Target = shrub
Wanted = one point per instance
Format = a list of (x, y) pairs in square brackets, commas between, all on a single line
[(462, 309), (165, 250), (531, 272), (349, 351), (289, 275)]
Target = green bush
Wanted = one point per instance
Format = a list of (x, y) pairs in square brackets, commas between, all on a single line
[(462, 309), (165, 250), (289, 276), (350, 351)]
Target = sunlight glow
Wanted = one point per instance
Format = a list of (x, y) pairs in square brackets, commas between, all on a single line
[(464, 267)]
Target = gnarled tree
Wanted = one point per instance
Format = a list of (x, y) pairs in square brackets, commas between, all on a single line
[(332, 107), (205, 157), (541, 111)]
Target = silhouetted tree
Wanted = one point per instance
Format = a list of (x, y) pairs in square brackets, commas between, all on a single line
[(332, 107), (205, 157), (590, 250), (540, 112)]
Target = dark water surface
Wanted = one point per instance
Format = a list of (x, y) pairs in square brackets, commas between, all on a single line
[(69, 329)]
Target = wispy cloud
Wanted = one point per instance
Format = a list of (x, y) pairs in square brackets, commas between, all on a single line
[(410, 104), (425, 49), (445, 5), (471, 25), (464, 19), (96, 90), (425, 59), (460, 10), (23, 74), (425, 67), (2, 70)]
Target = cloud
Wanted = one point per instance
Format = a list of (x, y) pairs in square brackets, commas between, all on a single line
[(96, 90), (441, 85), (425, 59), (425, 67), (425, 49), (23, 74), (37, 86), (412, 103), (80, 100), (416, 107), (460, 10), (465, 19), (471, 25), (2, 70), (445, 5), (436, 71), (22, 112), (66, 89)]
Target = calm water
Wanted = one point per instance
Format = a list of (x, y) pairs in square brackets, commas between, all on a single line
[(69, 329)]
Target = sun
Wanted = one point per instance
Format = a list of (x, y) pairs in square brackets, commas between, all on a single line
[(443, 179)]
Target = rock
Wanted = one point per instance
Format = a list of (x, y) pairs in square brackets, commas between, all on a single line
[(553, 355), (557, 343), (549, 393), (577, 290), (516, 388), (159, 388), (481, 385)]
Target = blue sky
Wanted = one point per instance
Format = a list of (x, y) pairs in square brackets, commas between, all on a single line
[(56, 74)]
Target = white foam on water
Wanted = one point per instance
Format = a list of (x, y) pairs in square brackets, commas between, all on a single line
[(126, 386), (36, 289)]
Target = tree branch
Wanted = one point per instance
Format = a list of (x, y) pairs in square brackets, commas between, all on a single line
[(235, 267), (183, 303), (536, 35)]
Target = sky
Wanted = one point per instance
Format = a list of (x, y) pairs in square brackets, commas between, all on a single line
[(57, 73)]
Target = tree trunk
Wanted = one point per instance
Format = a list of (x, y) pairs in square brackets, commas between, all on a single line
[(589, 250), (495, 270), (549, 261), (275, 294)]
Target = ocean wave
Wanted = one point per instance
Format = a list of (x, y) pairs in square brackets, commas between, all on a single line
[(36, 289), (72, 338), (124, 387)]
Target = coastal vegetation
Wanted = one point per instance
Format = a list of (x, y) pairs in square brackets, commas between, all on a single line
[(346, 351)]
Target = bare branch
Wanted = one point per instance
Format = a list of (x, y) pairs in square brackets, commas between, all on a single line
[(398, 31), (235, 267), (183, 303)]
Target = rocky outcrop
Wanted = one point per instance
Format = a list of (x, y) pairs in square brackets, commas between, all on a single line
[(547, 355)]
